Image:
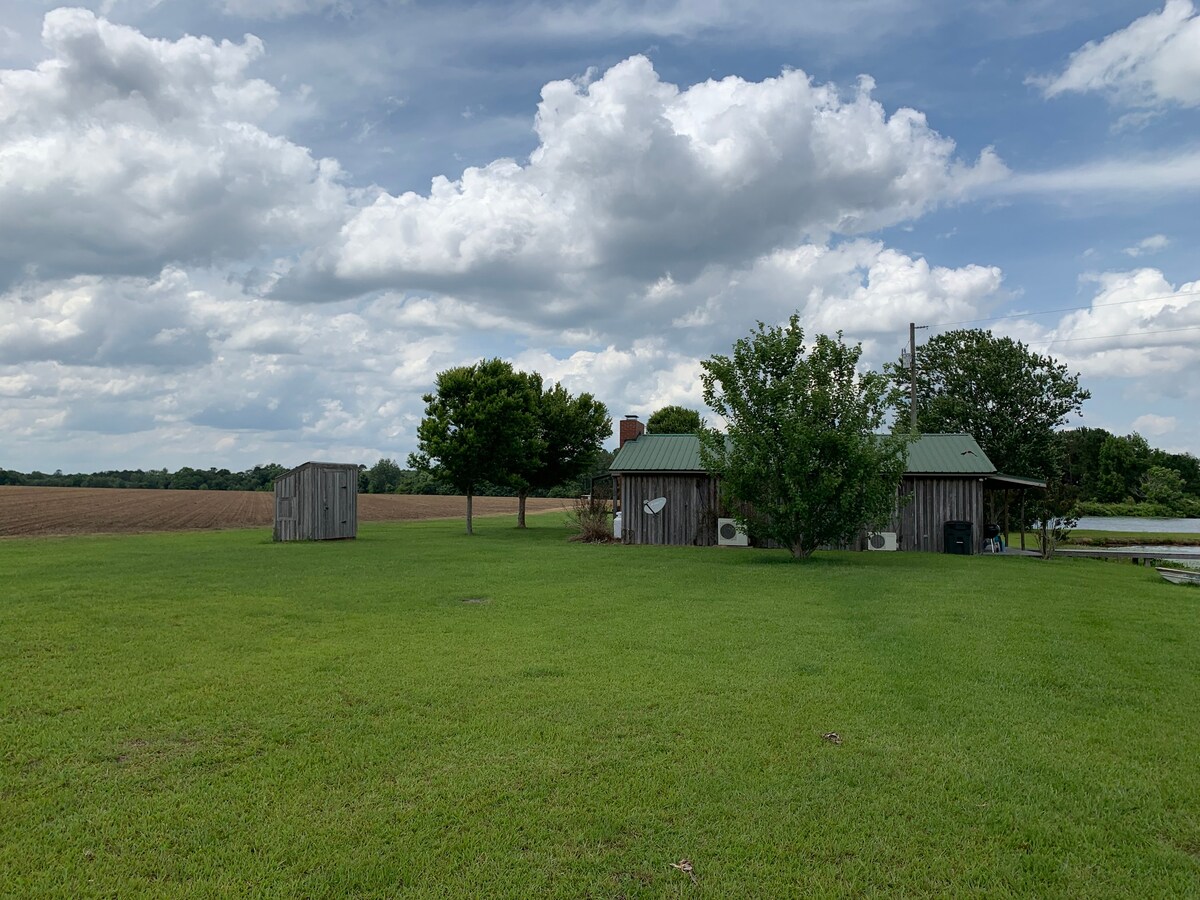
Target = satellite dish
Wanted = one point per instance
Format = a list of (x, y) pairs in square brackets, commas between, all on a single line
[(655, 506)]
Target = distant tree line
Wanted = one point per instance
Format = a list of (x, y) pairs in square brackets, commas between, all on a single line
[(1124, 475), (259, 478), (387, 477)]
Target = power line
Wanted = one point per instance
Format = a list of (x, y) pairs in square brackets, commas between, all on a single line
[(1049, 312), (1100, 337)]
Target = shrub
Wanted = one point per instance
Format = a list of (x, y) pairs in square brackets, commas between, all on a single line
[(1056, 516), (589, 518)]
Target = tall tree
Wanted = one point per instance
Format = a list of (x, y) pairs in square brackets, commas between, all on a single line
[(1162, 486), (1079, 458), (383, 477), (674, 420), (1122, 463), (480, 423), (801, 461), (1185, 464), (569, 432), (995, 389)]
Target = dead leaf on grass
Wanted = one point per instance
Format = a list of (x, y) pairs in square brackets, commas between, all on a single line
[(685, 865)]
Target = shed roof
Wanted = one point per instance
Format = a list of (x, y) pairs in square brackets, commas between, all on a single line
[(659, 453), (333, 465), (947, 454), (929, 454)]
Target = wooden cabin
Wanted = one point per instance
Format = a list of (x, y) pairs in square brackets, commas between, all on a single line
[(317, 501), (946, 477), (665, 465)]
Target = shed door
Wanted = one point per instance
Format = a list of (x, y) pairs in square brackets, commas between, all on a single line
[(335, 504)]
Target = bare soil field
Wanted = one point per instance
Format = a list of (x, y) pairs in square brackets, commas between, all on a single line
[(43, 511)]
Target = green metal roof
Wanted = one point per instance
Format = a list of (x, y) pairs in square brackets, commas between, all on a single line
[(659, 453), (1017, 481), (946, 454)]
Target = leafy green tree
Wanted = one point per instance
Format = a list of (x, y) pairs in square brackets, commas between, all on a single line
[(1079, 458), (675, 420), (187, 479), (1162, 486), (801, 463), (262, 478), (479, 425), (414, 482), (1122, 463), (995, 389), (383, 477), (569, 432), (1185, 464)]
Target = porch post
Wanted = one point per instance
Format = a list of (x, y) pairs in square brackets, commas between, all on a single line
[(1022, 518)]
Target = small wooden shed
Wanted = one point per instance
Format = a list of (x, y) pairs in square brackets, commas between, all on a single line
[(317, 501)]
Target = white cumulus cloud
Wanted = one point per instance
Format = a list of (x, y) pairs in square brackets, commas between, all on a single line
[(1139, 325), (1152, 62), (634, 177), (121, 153)]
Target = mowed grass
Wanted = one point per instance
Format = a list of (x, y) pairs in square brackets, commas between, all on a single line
[(216, 715), (1086, 538)]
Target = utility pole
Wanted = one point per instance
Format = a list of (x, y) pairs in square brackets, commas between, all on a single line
[(912, 372)]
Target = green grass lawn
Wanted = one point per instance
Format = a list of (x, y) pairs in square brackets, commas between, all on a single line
[(1114, 539), (213, 714), (1086, 538)]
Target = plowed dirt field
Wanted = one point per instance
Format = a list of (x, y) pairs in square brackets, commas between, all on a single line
[(34, 511)]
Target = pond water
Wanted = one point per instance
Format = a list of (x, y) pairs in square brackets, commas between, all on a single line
[(1134, 523)]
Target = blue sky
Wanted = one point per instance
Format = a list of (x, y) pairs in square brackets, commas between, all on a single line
[(242, 231)]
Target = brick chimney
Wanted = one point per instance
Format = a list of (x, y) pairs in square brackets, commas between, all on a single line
[(631, 429)]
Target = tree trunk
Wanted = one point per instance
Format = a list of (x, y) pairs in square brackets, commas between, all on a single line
[(470, 497), (521, 495), (801, 551)]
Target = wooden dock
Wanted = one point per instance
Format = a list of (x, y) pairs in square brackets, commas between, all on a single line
[(1145, 556)]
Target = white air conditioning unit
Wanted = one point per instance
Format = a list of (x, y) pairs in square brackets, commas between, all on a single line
[(882, 540), (729, 535)]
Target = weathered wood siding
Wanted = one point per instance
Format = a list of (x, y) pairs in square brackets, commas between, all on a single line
[(689, 518), (690, 515), (935, 501), (317, 502)]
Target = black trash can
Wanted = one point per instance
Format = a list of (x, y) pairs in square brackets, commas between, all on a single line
[(959, 537)]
